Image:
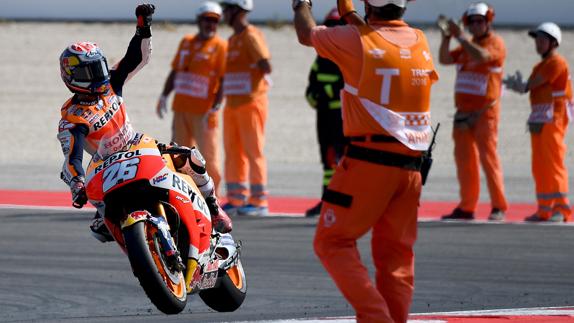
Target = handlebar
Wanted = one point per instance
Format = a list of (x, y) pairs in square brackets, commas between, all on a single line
[(163, 149)]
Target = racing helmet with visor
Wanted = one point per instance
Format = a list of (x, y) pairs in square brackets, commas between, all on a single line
[(84, 68)]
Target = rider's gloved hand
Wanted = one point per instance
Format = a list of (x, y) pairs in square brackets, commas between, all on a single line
[(79, 196), (144, 14), (161, 108)]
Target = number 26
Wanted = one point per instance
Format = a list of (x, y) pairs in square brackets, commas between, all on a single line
[(119, 172)]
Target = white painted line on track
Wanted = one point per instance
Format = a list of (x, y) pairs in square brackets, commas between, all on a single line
[(536, 311), (343, 319)]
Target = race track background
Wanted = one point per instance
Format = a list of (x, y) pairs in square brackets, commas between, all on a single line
[(52, 270)]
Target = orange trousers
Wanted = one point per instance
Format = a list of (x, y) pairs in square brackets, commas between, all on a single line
[(189, 129), (471, 145), (550, 173), (384, 200), (244, 140)]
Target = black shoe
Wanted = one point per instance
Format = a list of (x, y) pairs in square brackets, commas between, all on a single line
[(100, 230), (459, 214), (314, 211), (534, 218)]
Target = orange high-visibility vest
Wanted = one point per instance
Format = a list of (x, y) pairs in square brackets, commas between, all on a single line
[(479, 85), (395, 87), (243, 81), (556, 91), (199, 66)]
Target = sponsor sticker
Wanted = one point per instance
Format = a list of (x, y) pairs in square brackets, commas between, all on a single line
[(160, 178)]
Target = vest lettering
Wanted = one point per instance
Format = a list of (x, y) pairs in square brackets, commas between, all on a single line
[(387, 74)]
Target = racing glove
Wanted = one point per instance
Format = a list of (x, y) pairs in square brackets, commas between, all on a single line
[(144, 14), (79, 196)]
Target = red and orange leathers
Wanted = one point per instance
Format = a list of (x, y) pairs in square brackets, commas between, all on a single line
[(550, 103), (388, 71), (477, 92), (108, 126), (245, 88), (199, 66)]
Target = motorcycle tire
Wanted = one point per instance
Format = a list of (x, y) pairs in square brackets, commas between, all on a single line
[(165, 288), (230, 293)]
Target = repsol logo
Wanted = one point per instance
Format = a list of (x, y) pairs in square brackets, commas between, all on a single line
[(108, 115), (116, 157), (178, 183)]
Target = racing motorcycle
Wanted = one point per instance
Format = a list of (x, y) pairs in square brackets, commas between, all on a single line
[(149, 207)]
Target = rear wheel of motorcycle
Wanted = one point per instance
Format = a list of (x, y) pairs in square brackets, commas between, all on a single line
[(230, 293), (164, 287)]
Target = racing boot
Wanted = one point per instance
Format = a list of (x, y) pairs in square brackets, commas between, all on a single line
[(194, 165), (100, 230), (219, 219)]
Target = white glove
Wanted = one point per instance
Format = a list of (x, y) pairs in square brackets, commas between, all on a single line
[(442, 23), (210, 118), (515, 82), (161, 108)]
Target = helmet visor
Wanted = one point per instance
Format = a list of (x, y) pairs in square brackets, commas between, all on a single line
[(95, 71)]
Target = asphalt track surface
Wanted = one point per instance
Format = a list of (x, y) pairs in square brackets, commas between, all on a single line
[(52, 270)]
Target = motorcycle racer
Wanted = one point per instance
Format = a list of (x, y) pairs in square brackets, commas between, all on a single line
[(94, 119)]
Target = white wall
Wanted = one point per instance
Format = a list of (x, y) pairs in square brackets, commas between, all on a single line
[(520, 12)]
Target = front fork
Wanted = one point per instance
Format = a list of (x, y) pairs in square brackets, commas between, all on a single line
[(168, 245), (191, 262)]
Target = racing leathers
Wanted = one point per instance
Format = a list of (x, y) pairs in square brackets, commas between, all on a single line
[(101, 127)]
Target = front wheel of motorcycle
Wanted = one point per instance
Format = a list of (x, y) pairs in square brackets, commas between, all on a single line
[(164, 286), (231, 291)]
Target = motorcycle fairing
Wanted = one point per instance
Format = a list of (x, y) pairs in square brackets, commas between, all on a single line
[(121, 168), (186, 198)]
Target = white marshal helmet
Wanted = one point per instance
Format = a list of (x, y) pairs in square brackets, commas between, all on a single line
[(548, 28), (381, 3), (478, 9), (243, 4), (209, 8)]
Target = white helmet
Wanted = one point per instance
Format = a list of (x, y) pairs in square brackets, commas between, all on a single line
[(243, 4), (381, 3), (478, 9), (209, 9), (549, 28)]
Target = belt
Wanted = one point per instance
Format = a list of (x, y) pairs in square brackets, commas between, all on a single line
[(373, 138), (384, 157)]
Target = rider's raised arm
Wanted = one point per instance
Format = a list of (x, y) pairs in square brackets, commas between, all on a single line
[(138, 52)]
